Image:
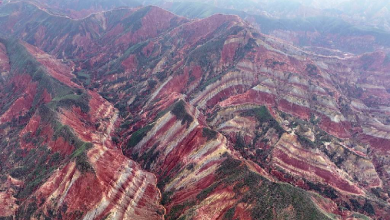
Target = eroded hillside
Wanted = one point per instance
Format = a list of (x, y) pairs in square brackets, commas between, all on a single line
[(141, 114)]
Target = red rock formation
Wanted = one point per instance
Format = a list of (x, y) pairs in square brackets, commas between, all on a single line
[(221, 114), (120, 187)]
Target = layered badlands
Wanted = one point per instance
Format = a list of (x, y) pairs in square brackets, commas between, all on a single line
[(181, 130), (118, 187)]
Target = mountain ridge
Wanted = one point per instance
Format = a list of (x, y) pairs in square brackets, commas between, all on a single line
[(220, 113)]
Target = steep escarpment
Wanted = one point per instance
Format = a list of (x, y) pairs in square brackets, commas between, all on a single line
[(233, 123)]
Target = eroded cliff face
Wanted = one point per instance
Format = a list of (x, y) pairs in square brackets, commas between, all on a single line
[(140, 114)]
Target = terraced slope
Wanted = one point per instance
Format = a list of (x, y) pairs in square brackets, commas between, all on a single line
[(232, 123)]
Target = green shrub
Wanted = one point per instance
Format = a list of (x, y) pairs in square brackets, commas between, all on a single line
[(201, 55), (19, 172), (206, 192), (81, 101), (67, 134), (240, 143), (84, 77), (230, 213), (312, 70), (368, 208), (82, 163), (161, 76), (264, 116), (177, 210), (355, 204), (137, 136), (55, 158), (305, 141), (209, 134), (150, 157), (152, 83), (180, 112), (209, 81), (27, 213)]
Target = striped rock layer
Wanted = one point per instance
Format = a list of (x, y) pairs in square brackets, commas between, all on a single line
[(141, 114)]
